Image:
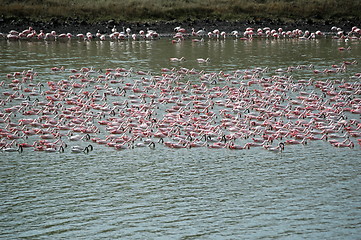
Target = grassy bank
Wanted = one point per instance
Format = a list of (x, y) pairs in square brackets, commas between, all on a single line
[(168, 10)]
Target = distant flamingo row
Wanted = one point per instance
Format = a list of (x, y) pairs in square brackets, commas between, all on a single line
[(124, 109), (181, 34)]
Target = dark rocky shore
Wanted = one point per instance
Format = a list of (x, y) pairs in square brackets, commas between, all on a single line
[(75, 26)]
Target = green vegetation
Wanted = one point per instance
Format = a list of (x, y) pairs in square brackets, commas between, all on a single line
[(168, 10)]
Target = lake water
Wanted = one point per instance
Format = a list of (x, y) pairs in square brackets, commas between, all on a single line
[(307, 191)]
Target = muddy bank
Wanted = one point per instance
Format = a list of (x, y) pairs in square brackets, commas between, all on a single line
[(75, 26)]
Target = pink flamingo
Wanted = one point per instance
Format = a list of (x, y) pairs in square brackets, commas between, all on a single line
[(233, 146), (173, 59), (280, 148)]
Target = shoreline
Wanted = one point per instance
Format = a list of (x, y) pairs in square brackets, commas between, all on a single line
[(74, 26)]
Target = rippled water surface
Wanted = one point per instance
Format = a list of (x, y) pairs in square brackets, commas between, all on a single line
[(306, 192)]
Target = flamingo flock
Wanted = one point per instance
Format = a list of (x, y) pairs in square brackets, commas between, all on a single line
[(177, 108), (181, 34)]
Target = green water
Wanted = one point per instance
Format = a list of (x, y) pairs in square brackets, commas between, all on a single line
[(306, 192)]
